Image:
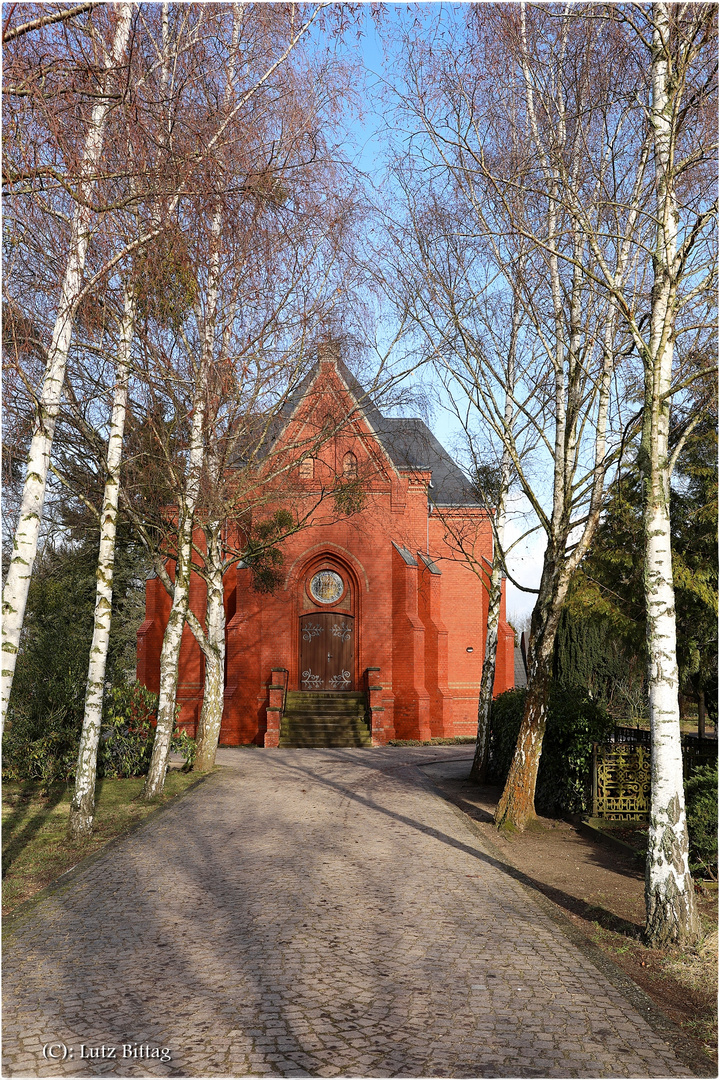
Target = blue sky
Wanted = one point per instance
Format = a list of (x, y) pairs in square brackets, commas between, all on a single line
[(371, 138)]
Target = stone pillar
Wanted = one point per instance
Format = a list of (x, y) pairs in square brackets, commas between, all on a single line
[(412, 701)]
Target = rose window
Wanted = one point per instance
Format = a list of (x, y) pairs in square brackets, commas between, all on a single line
[(326, 587)]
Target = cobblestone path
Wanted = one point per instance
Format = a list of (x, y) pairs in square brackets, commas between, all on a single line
[(310, 913)]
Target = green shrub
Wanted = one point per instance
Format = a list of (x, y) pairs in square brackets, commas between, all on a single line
[(43, 753), (128, 733), (126, 736), (125, 747), (574, 723), (701, 801)]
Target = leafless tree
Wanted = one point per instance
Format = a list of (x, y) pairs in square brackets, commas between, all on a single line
[(502, 114), (583, 140)]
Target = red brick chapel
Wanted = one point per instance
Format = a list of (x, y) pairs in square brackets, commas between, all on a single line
[(378, 610)]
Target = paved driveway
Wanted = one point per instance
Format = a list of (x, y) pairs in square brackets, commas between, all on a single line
[(310, 913)]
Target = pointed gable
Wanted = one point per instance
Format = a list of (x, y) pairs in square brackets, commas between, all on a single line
[(407, 442)]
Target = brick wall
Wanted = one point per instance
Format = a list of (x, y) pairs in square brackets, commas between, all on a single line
[(418, 609)]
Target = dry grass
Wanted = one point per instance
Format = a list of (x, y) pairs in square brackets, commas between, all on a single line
[(683, 982)]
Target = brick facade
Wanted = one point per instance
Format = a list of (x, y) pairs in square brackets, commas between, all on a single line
[(417, 611)]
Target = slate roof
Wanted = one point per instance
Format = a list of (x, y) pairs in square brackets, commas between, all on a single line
[(520, 672), (410, 444)]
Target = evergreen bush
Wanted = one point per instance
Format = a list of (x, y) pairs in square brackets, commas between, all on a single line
[(574, 723), (44, 719), (127, 733), (45, 755), (701, 803), (48, 755)]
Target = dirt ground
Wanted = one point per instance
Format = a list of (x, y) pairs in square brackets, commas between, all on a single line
[(601, 890)]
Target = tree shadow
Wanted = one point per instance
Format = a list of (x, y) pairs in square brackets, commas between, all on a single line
[(562, 899), (28, 817), (602, 856)]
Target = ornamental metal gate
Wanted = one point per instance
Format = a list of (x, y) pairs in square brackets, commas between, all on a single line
[(327, 651), (621, 772), (621, 781)]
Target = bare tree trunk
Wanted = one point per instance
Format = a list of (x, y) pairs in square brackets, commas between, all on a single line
[(517, 802), (26, 534), (170, 656), (669, 892), (170, 652), (478, 770), (83, 802), (214, 652), (701, 713), (172, 640)]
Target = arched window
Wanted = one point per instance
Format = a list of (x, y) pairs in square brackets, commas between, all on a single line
[(350, 469)]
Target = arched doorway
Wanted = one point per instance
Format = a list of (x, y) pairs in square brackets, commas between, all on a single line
[(327, 630)]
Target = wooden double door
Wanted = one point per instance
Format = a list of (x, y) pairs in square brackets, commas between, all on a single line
[(327, 651)]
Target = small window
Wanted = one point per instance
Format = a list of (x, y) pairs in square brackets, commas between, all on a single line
[(350, 468), (307, 468)]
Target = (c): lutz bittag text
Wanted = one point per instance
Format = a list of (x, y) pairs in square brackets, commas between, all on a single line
[(59, 1051)]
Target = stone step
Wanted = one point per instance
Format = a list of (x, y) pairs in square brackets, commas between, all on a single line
[(324, 718), (325, 706), (295, 698), (300, 743), (319, 726), (331, 738), (328, 711), (324, 729)]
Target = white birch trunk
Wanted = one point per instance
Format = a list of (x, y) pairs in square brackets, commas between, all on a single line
[(83, 803), (172, 640), (208, 733), (669, 893), (170, 652), (478, 770), (26, 534)]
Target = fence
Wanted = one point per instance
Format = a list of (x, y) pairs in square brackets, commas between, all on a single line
[(621, 772)]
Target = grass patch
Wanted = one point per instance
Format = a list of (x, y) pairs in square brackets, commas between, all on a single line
[(459, 740), (36, 847)]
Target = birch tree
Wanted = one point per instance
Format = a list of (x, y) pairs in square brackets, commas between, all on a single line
[(159, 181), (83, 801), (632, 91), (111, 58), (669, 311), (677, 48), (195, 26), (670, 897), (478, 770), (503, 116), (277, 142)]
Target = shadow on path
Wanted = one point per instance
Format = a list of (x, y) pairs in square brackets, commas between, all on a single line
[(575, 904), (558, 896)]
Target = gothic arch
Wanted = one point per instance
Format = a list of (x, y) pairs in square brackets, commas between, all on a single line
[(349, 603), (342, 554)]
